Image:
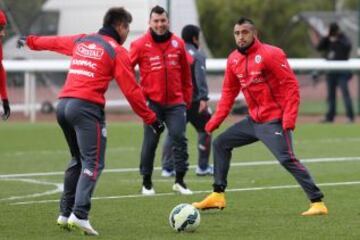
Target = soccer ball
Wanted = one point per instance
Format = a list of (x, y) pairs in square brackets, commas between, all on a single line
[(184, 217)]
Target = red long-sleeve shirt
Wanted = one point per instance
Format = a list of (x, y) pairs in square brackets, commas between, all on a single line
[(267, 82), (164, 69), (3, 90), (96, 60)]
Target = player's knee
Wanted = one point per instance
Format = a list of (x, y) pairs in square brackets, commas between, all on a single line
[(218, 143), (287, 161), (178, 138), (284, 161)]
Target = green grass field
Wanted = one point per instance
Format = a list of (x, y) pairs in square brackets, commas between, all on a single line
[(263, 200), (315, 107)]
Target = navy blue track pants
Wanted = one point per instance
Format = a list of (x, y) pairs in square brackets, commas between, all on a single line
[(198, 120), (83, 124), (175, 121), (275, 139)]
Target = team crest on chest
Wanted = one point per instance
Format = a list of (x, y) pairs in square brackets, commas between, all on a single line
[(258, 59), (174, 43)]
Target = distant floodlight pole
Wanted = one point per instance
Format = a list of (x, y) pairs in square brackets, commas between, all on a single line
[(168, 8)]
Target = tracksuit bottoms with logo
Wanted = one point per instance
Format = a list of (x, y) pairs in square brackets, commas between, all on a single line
[(175, 121), (198, 120), (83, 124), (275, 139)]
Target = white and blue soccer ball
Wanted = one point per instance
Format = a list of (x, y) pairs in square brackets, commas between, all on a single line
[(184, 217)]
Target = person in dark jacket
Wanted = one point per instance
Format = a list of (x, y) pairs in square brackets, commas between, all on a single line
[(337, 46), (262, 72), (199, 113), (96, 59)]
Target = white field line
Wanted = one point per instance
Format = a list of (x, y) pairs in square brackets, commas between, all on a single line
[(236, 164), (196, 192), (58, 189)]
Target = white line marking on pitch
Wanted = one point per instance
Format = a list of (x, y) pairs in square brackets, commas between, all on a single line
[(197, 192), (58, 189), (237, 164)]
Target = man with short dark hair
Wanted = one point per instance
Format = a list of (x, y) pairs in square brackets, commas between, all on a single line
[(96, 59), (262, 73), (3, 90), (199, 114), (166, 83)]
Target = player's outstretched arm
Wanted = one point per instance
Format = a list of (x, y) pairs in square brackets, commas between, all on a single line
[(60, 44)]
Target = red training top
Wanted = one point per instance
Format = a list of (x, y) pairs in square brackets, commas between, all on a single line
[(96, 60), (164, 69), (269, 85)]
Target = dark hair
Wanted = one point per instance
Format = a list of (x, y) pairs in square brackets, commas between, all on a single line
[(190, 31), (333, 29), (158, 10), (116, 16), (243, 20)]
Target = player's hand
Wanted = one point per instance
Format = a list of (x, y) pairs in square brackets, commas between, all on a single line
[(158, 127), (210, 126), (203, 106), (6, 107), (289, 132), (21, 42)]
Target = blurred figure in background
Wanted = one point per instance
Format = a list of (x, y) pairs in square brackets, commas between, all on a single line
[(3, 90), (336, 46), (199, 114), (166, 83)]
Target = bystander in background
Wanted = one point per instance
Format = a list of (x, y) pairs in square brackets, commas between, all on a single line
[(336, 46)]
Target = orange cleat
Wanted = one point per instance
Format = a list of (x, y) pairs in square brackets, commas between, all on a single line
[(214, 200), (317, 208)]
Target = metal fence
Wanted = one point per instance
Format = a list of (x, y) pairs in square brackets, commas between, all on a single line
[(30, 67)]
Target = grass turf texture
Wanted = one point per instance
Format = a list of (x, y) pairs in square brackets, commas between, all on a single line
[(261, 214)]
